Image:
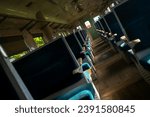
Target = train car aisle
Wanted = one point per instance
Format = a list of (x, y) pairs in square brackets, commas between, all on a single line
[(117, 79)]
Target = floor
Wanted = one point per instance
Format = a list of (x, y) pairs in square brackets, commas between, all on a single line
[(117, 80)]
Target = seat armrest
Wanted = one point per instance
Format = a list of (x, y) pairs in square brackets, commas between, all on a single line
[(115, 35), (124, 38), (111, 38), (131, 52), (79, 70), (133, 43), (80, 61)]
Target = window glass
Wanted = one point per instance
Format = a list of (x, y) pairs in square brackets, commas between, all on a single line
[(17, 56), (39, 41), (88, 24)]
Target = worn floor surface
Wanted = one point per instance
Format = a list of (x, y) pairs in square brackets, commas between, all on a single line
[(117, 80)]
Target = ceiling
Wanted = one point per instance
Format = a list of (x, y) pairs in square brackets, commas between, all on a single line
[(59, 11), (34, 15)]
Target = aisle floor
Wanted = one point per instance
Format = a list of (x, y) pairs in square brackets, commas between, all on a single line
[(117, 80)]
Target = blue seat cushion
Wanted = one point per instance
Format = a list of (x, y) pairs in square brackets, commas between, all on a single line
[(85, 91), (145, 62), (144, 58), (85, 60), (143, 53), (124, 47)]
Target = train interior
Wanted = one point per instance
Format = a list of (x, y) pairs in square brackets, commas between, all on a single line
[(74, 50)]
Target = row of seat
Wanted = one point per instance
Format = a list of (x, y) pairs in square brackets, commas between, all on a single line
[(126, 27), (59, 70)]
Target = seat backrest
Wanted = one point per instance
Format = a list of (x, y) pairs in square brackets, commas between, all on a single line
[(74, 45), (114, 25), (106, 29), (84, 34), (97, 25), (134, 16), (48, 69), (80, 38), (6, 88)]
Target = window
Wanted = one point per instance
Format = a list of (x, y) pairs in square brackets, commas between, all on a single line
[(17, 56), (39, 41), (88, 24), (148, 61)]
